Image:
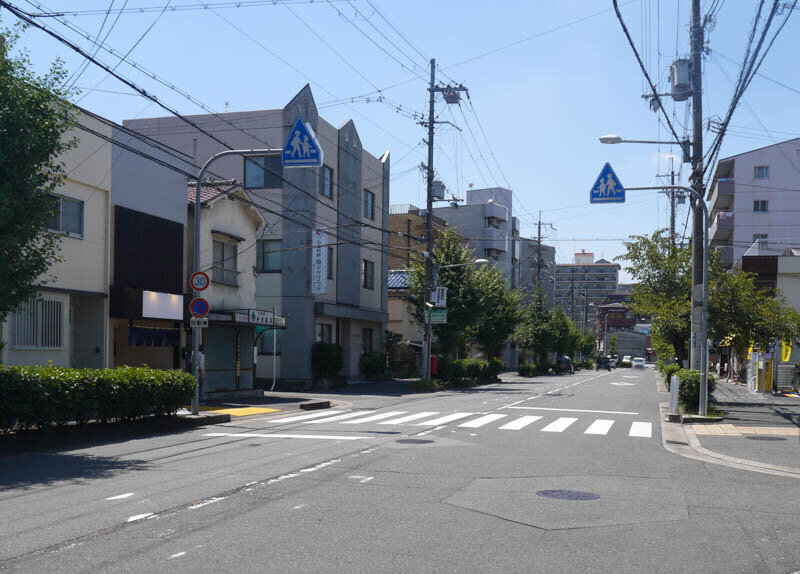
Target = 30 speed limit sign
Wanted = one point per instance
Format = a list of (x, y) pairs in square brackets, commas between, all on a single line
[(199, 281)]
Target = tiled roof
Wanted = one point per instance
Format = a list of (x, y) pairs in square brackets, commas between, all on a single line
[(209, 190), (398, 279)]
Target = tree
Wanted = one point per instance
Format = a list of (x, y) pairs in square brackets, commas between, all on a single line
[(612, 346), (563, 332), (586, 344), (533, 330), (497, 313), (34, 115)]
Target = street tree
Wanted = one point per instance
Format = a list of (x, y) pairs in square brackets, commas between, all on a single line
[(563, 332), (34, 116), (612, 346), (533, 330), (497, 313)]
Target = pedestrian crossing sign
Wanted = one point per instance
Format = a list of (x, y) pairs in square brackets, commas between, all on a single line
[(607, 188), (302, 148)]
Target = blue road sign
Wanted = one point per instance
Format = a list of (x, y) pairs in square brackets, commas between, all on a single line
[(302, 148), (199, 307), (607, 188)]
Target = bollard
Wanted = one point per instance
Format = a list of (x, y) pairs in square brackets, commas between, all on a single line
[(674, 385)]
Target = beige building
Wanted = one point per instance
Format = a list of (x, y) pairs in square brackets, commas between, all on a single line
[(68, 323)]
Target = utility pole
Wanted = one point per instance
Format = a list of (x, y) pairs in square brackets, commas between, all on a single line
[(672, 209), (572, 292), (539, 250), (696, 346), (452, 95)]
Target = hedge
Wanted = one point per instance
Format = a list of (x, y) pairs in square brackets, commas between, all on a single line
[(461, 372), (689, 391), (668, 371), (372, 364), (532, 369), (44, 397), (327, 359)]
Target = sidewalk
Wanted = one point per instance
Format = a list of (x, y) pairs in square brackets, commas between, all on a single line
[(762, 428)]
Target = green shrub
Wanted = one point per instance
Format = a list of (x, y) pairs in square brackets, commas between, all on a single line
[(689, 391), (423, 385), (327, 359), (668, 371), (372, 364), (466, 372), (44, 397), (496, 366), (526, 369)]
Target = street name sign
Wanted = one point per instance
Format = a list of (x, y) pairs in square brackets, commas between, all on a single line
[(199, 281), (437, 316), (607, 187), (199, 307), (302, 148)]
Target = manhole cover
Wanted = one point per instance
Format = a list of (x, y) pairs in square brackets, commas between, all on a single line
[(761, 437), (568, 494), (414, 441)]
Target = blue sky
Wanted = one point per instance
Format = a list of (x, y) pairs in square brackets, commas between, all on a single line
[(546, 79)]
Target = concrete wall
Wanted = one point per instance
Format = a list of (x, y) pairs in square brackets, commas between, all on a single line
[(788, 282)]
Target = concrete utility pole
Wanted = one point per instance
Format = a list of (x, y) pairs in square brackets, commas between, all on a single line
[(672, 209), (695, 356), (452, 95)]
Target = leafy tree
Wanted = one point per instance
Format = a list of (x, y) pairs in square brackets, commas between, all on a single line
[(533, 331), (497, 313), (563, 331), (612, 346), (34, 115)]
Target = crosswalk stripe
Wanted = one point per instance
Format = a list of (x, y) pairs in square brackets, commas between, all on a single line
[(409, 418), (600, 426), (641, 429), (374, 418), (559, 425), (520, 423), (479, 422), (340, 417), (304, 417), (445, 419)]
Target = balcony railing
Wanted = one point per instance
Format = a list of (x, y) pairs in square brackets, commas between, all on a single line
[(225, 276)]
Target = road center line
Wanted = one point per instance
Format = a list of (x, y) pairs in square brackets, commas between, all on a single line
[(513, 405), (121, 496), (576, 410)]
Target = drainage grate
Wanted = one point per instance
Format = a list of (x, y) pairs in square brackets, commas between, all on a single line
[(568, 494), (763, 437), (414, 441)]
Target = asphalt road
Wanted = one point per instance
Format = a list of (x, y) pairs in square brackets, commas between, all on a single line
[(562, 474)]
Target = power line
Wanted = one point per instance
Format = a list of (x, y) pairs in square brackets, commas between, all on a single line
[(174, 8)]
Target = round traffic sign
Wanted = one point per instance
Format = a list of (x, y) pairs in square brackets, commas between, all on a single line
[(199, 281), (199, 307)]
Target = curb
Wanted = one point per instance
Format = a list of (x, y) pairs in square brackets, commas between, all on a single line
[(94, 434), (680, 439)]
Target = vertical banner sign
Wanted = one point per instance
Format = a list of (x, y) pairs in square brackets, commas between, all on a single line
[(319, 262)]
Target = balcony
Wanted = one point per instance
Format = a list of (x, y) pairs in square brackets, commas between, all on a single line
[(495, 210), (725, 255), (225, 276), (722, 196), (495, 239), (721, 227)]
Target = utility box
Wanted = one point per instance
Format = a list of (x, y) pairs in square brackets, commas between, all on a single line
[(438, 189), (679, 77)]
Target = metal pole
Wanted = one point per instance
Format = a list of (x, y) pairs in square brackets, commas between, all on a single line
[(426, 344), (672, 209), (196, 261), (702, 332), (274, 349)]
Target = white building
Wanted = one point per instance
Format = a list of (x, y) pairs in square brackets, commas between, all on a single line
[(755, 196)]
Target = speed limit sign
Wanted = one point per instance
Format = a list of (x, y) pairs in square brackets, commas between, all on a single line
[(199, 281)]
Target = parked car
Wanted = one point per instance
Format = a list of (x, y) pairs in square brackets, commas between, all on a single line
[(613, 362), (638, 363), (602, 363), (564, 365), (626, 359)]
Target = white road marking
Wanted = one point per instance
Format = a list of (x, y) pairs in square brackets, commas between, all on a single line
[(513, 405), (630, 376), (367, 479), (121, 496), (479, 422), (520, 423), (305, 417), (559, 425), (375, 418), (177, 555), (136, 517), (206, 502), (276, 435), (577, 410), (622, 384), (641, 429), (339, 417), (409, 418), (445, 419), (600, 426), (298, 507)]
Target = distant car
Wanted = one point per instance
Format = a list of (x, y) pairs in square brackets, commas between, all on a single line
[(626, 359), (638, 363), (564, 365), (613, 362), (602, 363)]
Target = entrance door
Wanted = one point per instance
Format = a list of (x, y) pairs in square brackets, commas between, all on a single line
[(220, 349)]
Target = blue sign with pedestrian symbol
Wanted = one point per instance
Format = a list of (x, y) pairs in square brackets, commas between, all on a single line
[(607, 188), (302, 148)]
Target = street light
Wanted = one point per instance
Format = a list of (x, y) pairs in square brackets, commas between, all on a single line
[(616, 139)]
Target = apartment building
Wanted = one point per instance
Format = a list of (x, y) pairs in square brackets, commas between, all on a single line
[(531, 258), (408, 233), (583, 285), (754, 197)]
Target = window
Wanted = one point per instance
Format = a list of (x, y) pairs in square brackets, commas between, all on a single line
[(761, 239), (37, 325), (369, 204), (67, 216), (324, 332), (330, 262), (761, 172), (493, 222), (366, 340), (265, 342), (760, 205), (224, 270), (367, 274), (327, 182), (268, 256), (263, 172)]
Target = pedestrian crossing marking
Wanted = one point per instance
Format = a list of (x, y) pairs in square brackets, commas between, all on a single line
[(445, 419), (374, 418), (520, 423), (305, 417), (600, 426), (479, 422), (341, 417), (559, 425), (641, 429), (409, 418)]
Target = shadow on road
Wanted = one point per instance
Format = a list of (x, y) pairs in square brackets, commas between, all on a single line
[(47, 468)]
